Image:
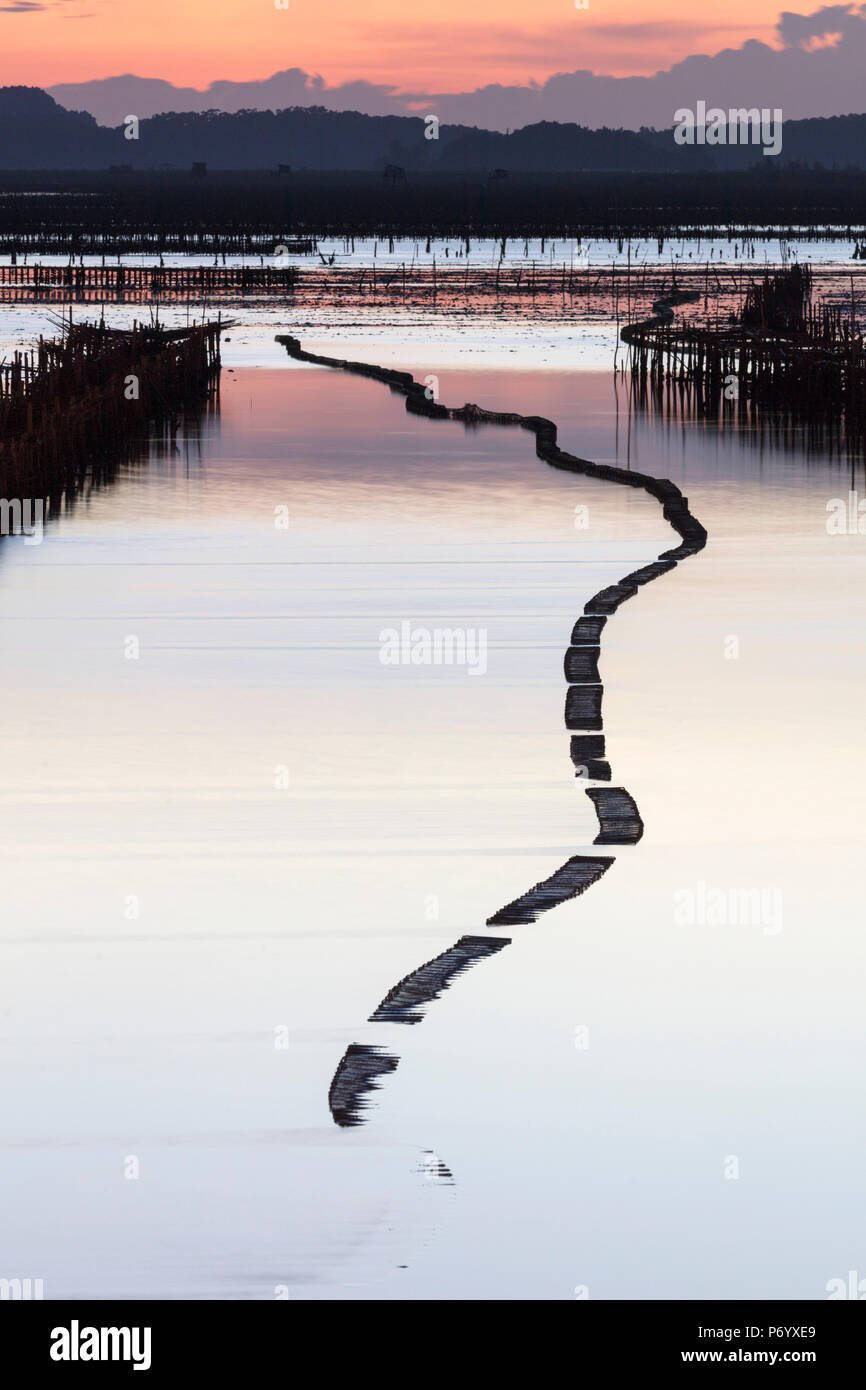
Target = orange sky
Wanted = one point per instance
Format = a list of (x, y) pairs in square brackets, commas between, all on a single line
[(431, 45)]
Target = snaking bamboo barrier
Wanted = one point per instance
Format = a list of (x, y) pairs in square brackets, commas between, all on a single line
[(619, 819), (357, 1075), (78, 405), (405, 1003)]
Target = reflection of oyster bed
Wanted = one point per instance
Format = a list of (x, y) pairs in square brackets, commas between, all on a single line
[(618, 816)]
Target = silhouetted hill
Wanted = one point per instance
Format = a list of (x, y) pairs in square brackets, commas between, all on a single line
[(559, 149), (36, 133)]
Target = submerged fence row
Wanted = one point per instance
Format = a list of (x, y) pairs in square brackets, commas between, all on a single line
[(552, 287), (104, 284)]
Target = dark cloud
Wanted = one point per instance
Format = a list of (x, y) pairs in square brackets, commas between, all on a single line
[(802, 75), (794, 29), (29, 6)]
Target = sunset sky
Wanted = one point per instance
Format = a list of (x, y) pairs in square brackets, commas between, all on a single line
[(442, 46)]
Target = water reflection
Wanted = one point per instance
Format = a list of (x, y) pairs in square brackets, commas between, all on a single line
[(593, 1076), (811, 435)]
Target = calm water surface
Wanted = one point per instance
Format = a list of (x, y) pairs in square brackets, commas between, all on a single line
[(219, 856)]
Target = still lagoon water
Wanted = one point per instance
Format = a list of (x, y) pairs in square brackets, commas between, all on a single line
[(228, 828)]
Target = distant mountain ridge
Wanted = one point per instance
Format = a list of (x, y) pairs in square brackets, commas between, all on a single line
[(37, 133)]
